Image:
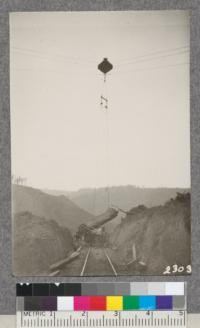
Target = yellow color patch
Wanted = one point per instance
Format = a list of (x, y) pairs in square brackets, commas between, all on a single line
[(114, 303)]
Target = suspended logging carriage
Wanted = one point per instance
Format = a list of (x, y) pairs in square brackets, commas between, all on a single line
[(94, 232)]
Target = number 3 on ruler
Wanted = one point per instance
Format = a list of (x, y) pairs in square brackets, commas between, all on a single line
[(175, 268)]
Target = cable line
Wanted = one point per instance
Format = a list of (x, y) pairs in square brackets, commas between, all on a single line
[(157, 57), (153, 53), (149, 68), (43, 55)]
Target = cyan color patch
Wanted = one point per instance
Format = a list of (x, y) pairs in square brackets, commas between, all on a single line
[(147, 303)]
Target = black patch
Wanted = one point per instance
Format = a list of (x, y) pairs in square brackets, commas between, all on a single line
[(41, 289), (24, 289), (57, 290), (72, 289)]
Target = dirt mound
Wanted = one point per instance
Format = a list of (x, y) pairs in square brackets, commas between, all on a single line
[(57, 208), (37, 243), (159, 236)]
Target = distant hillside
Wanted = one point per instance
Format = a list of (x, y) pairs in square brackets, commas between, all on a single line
[(125, 197), (57, 208), (37, 243), (160, 235)]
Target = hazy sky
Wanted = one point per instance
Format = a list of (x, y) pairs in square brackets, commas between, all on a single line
[(61, 138)]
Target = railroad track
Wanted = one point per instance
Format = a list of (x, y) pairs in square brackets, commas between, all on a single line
[(97, 259), (90, 262)]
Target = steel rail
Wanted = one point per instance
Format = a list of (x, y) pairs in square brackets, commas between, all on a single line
[(110, 262), (85, 262)]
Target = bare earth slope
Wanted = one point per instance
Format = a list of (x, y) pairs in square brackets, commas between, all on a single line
[(57, 208), (161, 236), (37, 243)]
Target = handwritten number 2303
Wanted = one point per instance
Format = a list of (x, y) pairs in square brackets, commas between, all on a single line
[(177, 269)]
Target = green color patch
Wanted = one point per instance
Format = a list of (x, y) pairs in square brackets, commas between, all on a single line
[(131, 302)]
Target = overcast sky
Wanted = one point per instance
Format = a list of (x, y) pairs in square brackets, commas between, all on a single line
[(61, 138)]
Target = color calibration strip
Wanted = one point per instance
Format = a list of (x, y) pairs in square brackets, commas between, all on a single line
[(100, 303), (89, 305), (102, 289)]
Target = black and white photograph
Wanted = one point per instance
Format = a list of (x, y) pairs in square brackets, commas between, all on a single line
[(100, 143)]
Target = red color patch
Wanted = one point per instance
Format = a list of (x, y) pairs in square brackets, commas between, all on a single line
[(98, 303)]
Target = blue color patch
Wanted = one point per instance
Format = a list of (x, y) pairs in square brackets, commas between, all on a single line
[(147, 302)]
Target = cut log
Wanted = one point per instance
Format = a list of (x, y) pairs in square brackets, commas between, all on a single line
[(60, 263), (101, 219), (54, 273)]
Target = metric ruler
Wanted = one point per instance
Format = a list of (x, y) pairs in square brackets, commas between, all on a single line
[(106, 319)]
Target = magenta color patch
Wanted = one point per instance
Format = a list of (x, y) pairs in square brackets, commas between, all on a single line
[(81, 303)]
